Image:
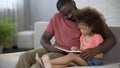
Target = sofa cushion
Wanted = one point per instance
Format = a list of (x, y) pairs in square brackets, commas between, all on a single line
[(114, 65), (9, 60), (113, 54)]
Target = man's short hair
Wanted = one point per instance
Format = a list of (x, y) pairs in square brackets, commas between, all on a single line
[(60, 3)]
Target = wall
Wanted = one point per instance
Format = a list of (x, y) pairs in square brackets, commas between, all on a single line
[(42, 10), (22, 15), (27, 15), (109, 8)]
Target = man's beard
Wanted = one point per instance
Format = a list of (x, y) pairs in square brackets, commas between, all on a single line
[(72, 19)]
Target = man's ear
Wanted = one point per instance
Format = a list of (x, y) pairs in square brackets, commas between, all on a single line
[(73, 2)]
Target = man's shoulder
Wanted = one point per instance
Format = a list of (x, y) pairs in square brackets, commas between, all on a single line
[(57, 14)]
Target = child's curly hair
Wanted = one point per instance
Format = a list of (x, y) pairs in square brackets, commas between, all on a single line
[(92, 18)]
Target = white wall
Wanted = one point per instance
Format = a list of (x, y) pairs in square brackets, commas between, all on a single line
[(42, 10), (109, 8)]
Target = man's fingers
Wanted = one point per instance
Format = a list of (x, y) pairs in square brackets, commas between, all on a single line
[(86, 57), (83, 54)]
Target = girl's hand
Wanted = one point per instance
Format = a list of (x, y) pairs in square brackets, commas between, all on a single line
[(74, 48)]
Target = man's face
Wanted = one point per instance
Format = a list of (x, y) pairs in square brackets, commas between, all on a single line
[(67, 10)]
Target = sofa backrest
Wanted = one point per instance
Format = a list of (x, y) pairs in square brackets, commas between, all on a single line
[(111, 55), (39, 28)]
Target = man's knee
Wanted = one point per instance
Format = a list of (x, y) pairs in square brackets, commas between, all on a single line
[(25, 55), (28, 58), (32, 53)]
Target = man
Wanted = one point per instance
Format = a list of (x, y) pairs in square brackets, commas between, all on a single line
[(67, 34)]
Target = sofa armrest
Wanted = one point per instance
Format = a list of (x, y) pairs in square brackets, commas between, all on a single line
[(39, 28), (9, 60)]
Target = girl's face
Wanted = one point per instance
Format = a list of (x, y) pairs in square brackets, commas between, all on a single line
[(84, 28)]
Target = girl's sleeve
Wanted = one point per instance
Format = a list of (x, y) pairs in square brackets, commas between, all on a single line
[(98, 39)]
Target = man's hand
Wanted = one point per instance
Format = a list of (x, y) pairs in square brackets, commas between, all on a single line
[(88, 53)]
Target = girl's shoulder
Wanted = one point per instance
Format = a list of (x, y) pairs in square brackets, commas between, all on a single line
[(97, 35)]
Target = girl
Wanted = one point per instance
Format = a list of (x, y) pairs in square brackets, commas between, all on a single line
[(92, 28)]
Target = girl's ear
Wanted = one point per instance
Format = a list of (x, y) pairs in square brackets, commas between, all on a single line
[(92, 29)]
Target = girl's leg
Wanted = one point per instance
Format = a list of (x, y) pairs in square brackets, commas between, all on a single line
[(39, 60), (68, 59), (64, 66), (64, 60), (27, 59), (72, 64), (57, 64), (46, 61), (79, 60)]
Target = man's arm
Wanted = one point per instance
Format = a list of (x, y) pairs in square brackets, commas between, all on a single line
[(45, 41), (108, 43)]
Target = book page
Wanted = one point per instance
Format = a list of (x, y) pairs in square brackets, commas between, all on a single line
[(77, 51)]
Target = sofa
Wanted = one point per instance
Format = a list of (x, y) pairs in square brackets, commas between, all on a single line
[(111, 58)]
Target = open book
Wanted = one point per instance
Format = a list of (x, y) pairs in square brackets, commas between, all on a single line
[(76, 51)]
